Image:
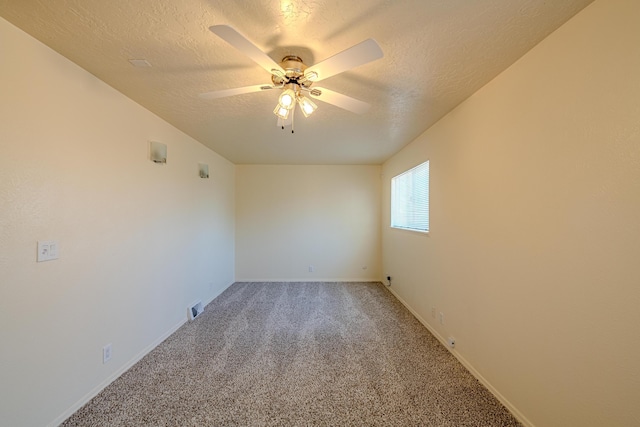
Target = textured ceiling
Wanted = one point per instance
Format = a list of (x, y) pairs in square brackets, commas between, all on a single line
[(436, 54)]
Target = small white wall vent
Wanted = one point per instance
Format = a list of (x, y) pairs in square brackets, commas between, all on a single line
[(195, 310)]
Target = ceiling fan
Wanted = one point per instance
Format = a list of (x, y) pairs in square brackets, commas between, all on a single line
[(295, 79)]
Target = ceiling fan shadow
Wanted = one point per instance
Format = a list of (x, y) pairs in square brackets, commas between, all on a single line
[(303, 53), (240, 14), (367, 14), (368, 83), (207, 69), (273, 42)]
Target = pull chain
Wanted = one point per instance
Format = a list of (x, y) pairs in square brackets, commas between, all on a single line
[(293, 114)]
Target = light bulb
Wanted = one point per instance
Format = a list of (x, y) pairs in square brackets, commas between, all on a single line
[(287, 99)]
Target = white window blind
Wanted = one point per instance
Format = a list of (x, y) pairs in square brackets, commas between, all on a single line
[(410, 199)]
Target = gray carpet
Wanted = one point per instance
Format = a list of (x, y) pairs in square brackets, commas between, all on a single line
[(298, 354)]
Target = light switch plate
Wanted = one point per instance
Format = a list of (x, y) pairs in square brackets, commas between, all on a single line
[(47, 250)]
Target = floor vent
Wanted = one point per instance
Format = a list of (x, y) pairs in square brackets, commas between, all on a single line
[(195, 310)]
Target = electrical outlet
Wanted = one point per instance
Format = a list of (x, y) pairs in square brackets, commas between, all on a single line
[(311, 269), (106, 353), (441, 318)]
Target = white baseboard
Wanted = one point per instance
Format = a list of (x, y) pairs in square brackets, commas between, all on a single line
[(217, 294), (516, 413), (87, 397)]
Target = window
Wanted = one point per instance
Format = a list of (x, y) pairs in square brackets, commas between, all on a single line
[(410, 199)]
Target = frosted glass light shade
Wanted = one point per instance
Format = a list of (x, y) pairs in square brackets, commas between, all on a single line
[(203, 170), (157, 152), (307, 106), (287, 99), (281, 112)]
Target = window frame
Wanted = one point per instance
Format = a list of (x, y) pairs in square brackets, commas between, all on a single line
[(410, 208)]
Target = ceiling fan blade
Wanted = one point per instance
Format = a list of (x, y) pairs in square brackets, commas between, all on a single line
[(237, 40), (339, 100), (355, 56), (235, 91)]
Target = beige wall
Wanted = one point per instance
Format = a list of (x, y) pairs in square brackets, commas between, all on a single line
[(138, 241), (533, 255), (291, 217)]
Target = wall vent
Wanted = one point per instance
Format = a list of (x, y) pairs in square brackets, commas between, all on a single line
[(195, 310)]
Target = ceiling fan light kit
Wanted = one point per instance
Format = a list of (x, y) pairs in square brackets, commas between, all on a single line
[(294, 78), (281, 112), (287, 98), (307, 106)]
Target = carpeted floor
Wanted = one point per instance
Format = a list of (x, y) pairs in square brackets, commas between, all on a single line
[(298, 354)]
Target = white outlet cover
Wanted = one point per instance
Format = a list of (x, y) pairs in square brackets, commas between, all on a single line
[(106, 353)]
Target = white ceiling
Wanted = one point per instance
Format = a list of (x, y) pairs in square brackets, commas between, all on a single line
[(436, 54)]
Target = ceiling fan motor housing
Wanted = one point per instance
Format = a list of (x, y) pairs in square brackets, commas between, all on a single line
[(294, 72)]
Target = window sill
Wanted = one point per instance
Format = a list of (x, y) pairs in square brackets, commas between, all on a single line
[(410, 230)]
